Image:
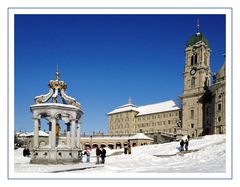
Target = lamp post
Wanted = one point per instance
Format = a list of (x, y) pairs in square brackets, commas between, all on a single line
[(91, 142)]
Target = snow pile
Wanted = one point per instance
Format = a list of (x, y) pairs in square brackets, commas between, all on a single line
[(205, 155)]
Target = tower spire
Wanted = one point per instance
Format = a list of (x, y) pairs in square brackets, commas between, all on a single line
[(198, 25)]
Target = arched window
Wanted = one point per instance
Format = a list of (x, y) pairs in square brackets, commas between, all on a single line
[(196, 59), (192, 57), (193, 80)]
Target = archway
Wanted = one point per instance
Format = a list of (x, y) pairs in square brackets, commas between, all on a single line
[(118, 145), (94, 145), (110, 146)]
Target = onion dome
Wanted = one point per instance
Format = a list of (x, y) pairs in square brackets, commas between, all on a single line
[(197, 37)]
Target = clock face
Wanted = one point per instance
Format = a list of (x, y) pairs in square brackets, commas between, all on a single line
[(193, 71)]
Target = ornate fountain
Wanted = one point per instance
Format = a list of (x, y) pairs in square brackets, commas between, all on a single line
[(69, 110)]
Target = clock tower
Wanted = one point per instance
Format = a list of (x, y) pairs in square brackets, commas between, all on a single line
[(197, 76)]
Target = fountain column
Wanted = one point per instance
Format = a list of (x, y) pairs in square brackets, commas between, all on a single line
[(78, 134), (73, 133), (68, 135), (36, 132), (53, 134)]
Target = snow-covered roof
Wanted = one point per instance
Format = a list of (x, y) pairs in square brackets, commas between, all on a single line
[(157, 108), (147, 109), (140, 136), (124, 108)]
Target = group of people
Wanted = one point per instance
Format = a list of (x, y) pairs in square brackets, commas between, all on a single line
[(184, 144), (100, 153)]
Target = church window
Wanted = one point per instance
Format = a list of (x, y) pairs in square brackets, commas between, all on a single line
[(192, 60), (219, 119), (195, 61), (219, 107), (220, 96), (169, 122), (192, 114), (193, 82), (192, 125)]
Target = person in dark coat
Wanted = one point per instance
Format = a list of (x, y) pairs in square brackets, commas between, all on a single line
[(129, 147), (181, 145), (26, 152), (103, 155), (125, 149), (186, 144), (80, 155), (98, 154)]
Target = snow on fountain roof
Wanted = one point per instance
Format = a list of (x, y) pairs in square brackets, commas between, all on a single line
[(55, 104), (56, 88), (147, 109), (27, 134)]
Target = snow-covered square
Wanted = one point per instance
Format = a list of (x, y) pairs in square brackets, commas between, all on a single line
[(206, 155)]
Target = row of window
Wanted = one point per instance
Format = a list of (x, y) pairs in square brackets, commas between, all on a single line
[(120, 126), (158, 116), (143, 118), (168, 122), (121, 120)]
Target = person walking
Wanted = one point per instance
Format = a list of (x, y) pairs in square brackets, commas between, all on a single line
[(129, 147), (80, 155), (182, 145), (186, 145), (87, 153), (125, 149), (98, 154), (103, 155)]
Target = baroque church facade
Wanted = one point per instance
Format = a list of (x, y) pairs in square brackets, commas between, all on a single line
[(203, 102)]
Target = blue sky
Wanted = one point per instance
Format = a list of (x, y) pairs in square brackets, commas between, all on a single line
[(104, 59)]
